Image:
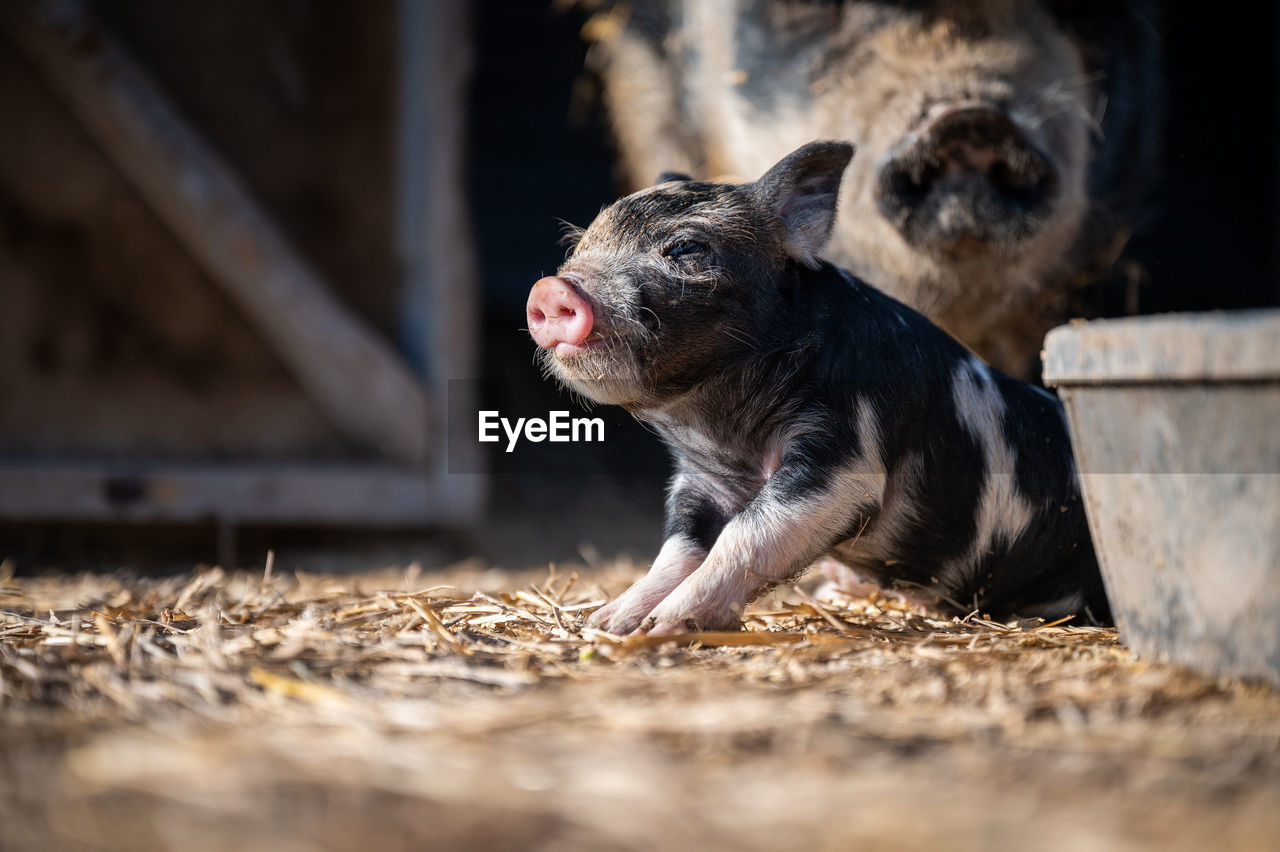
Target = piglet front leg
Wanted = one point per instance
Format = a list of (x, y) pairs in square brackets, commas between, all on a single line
[(678, 558), (800, 514), (692, 522)]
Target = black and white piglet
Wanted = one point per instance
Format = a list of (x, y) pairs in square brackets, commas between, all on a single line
[(809, 414)]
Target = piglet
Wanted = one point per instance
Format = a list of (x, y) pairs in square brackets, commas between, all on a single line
[(809, 414)]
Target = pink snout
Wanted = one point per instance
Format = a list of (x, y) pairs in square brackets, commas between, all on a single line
[(559, 315)]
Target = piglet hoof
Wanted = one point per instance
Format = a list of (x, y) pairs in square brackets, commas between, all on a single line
[(616, 618), (672, 620), (667, 628)]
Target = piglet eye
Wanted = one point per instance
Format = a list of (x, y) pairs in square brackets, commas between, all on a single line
[(685, 248)]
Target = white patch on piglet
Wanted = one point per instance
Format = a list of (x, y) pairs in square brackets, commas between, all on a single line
[(1003, 511)]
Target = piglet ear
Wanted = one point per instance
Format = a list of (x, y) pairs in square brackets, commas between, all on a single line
[(801, 190), (668, 177)]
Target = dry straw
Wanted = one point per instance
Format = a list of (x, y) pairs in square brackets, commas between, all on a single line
[(471, 708)]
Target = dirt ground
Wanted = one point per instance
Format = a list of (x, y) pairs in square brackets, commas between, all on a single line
[(467, 708)]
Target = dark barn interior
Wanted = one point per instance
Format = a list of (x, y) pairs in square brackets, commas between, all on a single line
[(118, 347)]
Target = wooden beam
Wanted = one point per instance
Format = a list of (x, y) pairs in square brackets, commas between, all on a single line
[(378, 495), (358, 381)]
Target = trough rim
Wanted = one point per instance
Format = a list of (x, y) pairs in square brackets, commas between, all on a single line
[(1212, 346)]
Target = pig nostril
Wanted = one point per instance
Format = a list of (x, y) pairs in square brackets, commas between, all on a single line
[(905, 185), (1009, 180)]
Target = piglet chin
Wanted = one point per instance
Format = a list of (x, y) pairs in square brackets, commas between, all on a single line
[(565, 349)]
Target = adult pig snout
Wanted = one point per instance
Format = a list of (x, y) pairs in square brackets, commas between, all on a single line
[(970, 178), (559, 315)]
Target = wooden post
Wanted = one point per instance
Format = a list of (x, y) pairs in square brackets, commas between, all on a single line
[(433, 230), (352, 374)]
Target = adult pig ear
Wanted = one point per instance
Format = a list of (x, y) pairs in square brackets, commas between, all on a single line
[(801, 190), (668, 177)]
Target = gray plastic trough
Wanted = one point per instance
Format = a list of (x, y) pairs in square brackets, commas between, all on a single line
[(1175, 422)]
